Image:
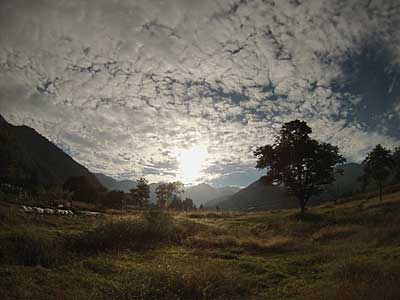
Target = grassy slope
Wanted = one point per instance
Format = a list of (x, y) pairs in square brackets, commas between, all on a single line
[(345, 251)]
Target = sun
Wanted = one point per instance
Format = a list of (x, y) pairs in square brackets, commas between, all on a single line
[(191, 163)]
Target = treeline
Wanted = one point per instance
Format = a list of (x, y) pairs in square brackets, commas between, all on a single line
[(168, 195), (80, 188)]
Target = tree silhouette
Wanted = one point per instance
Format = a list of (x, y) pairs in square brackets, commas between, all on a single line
[(83, 189), (378, 166), (167, 192), (115, 199), (396, 160), (176, 204), (188, 204), (141, 193), (298, 161)]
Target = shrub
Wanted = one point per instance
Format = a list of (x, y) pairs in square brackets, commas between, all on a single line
[(31, 248), (156, 227), (9, 216)]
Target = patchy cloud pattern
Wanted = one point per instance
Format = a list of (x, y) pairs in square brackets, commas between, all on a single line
[(123, 85)]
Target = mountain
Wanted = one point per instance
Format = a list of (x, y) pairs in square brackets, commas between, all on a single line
[(116, 185), (257, 196), (26, 157), (203, 193), (346, 184), (260, 196), (200, 194)]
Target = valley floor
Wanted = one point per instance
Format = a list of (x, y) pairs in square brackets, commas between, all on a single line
[(345, 251)]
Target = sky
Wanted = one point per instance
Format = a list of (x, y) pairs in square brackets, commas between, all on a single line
[(139, 88)]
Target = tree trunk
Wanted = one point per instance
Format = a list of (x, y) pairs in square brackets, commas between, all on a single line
[(380, 191), (302, 205)]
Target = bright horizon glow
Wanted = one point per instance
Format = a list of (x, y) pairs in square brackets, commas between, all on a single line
[(191, 163)]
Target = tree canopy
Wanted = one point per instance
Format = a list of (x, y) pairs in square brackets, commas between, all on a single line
[(298, 161), (396, 161), (378, 166), (140, 195), (168, 192)]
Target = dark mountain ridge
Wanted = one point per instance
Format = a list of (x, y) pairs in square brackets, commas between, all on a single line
[(28, 158)]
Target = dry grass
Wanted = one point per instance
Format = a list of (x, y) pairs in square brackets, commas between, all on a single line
[(224, 239), (345, 251), (335, 232)]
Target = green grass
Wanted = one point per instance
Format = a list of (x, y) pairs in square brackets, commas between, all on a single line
[(345, 251)]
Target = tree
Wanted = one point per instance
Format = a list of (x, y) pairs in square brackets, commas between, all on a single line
[(167, 192), (140, 195), (51, 194), (188, 204), (396, 161), (115, 199), (298, 161), (176, 204), (378, 166), (82, 189)]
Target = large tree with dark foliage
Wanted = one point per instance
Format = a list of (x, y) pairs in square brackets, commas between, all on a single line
[(298, 161), (378, 166), (141, 193)]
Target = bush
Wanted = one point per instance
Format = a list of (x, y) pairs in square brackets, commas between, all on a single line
[(9, 216), (153, 229), (31, 248)]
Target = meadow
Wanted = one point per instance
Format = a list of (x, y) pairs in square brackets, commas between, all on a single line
[(344, 250)]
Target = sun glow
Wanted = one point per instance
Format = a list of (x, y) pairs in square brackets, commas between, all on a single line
[(191, 163)]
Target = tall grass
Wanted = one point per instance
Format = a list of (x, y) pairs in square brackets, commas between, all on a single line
[(30, 248), (154, 228)]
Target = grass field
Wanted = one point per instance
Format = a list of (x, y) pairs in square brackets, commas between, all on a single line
[(345, 251)]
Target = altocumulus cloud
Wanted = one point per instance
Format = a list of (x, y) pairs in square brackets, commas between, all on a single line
[(123, 85)]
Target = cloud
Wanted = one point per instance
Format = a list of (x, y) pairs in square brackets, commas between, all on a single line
[(122, 85)]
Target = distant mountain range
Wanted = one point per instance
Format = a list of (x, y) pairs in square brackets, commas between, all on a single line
[(26, 157), (200, 194), (203, 193), (257, 196), (116, 185), (260, 196)]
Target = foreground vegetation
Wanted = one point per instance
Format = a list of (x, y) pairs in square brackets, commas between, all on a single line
[(348, 250)]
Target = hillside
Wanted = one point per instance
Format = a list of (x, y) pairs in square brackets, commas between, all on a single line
[(259, 196), (27, 157)]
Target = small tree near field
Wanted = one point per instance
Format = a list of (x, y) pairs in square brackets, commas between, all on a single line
[(140, 195), (168, 192), (378, 166), (188, 204), (396, 161), (299, 162)]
